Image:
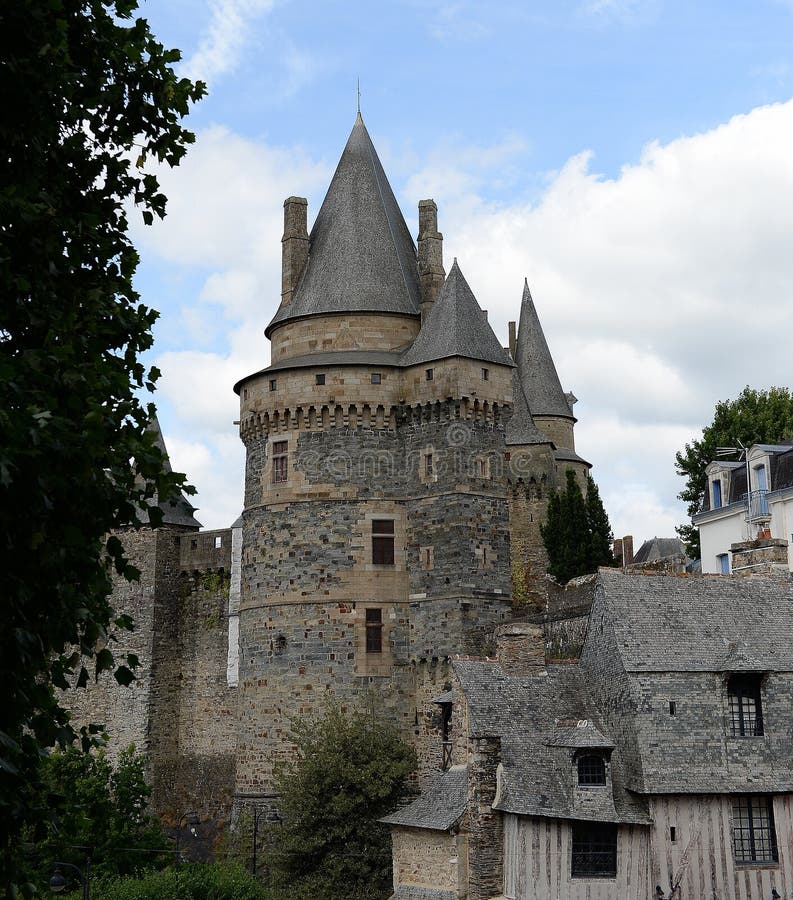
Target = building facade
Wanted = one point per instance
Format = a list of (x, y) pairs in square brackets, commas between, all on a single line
[(659, 765), (748, 507)]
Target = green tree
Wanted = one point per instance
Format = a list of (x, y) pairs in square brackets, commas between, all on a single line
[(349, 769), (89, 96), (577, 534), (103, 808), (756, 416)]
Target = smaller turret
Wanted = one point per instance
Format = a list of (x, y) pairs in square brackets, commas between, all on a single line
[(430, 256)]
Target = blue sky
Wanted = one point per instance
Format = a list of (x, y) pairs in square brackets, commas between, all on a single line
[(631, 157)]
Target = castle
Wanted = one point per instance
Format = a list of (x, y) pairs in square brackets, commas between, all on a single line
[(399, 461)]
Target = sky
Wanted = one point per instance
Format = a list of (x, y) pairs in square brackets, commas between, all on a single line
[(632, 158)]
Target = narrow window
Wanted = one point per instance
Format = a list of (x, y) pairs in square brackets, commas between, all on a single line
[(594, 852), (429, 560), (376, 378), (716, 493), (754, 836), (591, 770), (430, 374), (218, 542), (273, 384), (428, 464), (746, 712), (484, 557), (485, 374), (320, 379), (280, 461), (724, 563), (482, 468), (672, 833), (672, 708), (383, 542), (762, 478), (374, 630)]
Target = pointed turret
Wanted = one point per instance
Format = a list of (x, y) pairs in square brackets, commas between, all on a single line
[(361, 257), (521, 428), (456, 326), (535, 365), (179, 511)]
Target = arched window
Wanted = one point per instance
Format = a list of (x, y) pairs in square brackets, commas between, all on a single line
[(591, 770)]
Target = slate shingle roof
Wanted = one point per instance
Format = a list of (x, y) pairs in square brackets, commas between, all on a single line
[(521, 428), (456, 326), (361, 255), (178, 511), (535, 365), (700, 623), (439, 807), (659, 548), (532, 714)]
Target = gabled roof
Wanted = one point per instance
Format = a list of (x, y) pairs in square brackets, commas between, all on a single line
[(719, 623), (456, 326), (535, 365), (521, 428), (530, 713), (361, 255)]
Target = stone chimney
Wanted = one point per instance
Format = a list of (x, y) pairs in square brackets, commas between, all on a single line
[(294, 246), (627, 549), (763, 556), (513, 340), (430, 247), (520, 648), (618, 551)]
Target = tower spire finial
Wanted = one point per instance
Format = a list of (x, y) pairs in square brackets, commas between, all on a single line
[(359, 96)]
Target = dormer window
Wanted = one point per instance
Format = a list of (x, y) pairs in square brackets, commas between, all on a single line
[(591, 770), (716, 488), (761, 477)]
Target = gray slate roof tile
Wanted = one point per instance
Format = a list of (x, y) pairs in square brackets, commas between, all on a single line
[(535, 365), (456, 326), (521, 428), (439, 807), (667, 623), (361, 255), (531, 714)]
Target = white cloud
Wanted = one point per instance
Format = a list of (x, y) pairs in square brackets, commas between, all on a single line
[(224, 41)]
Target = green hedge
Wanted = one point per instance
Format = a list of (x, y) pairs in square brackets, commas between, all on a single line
[(192, 881)]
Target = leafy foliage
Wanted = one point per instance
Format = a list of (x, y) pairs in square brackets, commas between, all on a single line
[(88, 96), (756, 416), (101, 808), (190, 881), (577, 534), (349, 769)]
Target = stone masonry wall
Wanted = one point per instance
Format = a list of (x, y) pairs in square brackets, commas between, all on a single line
[(425, 858)]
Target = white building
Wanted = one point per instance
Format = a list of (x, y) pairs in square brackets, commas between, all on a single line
[(733, 514)]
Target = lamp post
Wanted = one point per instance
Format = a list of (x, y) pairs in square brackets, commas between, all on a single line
[(58, 882), (258, 812)]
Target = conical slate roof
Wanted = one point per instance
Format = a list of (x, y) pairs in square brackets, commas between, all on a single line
[(361, 255), (521, 428), (178, 511), (535, 365), (456, 326)]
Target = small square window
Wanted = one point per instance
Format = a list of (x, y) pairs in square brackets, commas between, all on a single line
[(320, 379), (591, 770), (273, 384), (485, 374), (430, 374), (374, 630), (753, 833), (376, 378), (383, 542)]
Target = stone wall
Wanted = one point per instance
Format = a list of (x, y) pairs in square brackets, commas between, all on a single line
[(485, 828), (426, 858)]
